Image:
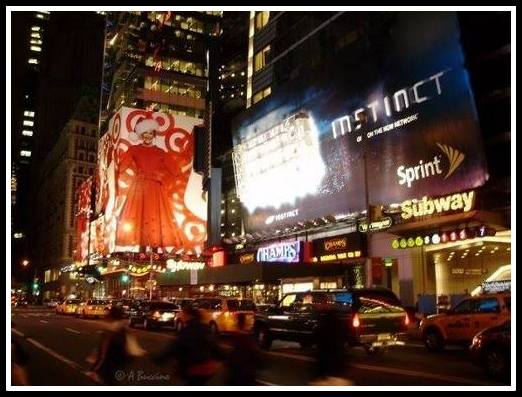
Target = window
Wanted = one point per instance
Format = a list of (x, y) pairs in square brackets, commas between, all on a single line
[(28, 123), (33, 61), (27, 133), (81, 156), (488, 305), (82, 130), (288, 300), (463, 307), (261, 58), (36, 48), (25, 153), (35, 28), (262, 94), (29, 113), (35, 35), (37, 42), (47, 276), (262, 18)]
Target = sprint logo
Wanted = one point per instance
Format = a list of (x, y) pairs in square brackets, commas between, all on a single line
[(426, 169)]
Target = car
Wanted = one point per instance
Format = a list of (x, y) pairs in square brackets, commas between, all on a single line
[(51, 303), (491, 350), (374, 317), (221, 313), (125, 304), (263, 307), (95, 308), (153, 314), (461, 323), (69, 306)]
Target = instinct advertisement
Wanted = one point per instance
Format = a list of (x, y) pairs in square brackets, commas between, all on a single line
[(401, 104), (148, 194)]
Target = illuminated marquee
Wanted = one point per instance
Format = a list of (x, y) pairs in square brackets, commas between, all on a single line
[(457, 202), (174, 266), (280, 252)]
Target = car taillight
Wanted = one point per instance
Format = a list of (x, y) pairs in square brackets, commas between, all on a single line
[(355, 321), (406, 320), (156, 314)]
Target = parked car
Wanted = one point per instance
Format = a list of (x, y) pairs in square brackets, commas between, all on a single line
[(221, 313), (374, 318), (461, 323), (491, 350), (93, 308), (153, 314)]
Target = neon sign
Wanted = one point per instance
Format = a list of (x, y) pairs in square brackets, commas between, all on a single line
[(280, 252)]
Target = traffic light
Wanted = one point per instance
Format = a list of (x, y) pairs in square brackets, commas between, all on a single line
[(125, 278)]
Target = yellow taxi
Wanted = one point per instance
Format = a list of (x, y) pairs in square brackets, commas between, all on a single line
[(69, 306), (221, 314), (93, 308), (462, 322)]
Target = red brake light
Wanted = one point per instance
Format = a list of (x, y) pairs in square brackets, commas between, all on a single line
[(355, 321), (406, 320)]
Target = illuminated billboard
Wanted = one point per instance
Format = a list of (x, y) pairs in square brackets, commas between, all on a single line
[(402, 105), (148, 194), (84, 206)]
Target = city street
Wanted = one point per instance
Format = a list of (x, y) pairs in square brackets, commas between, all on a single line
[(57, 347)]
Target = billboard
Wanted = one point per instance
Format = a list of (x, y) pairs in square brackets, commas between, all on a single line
[(148, 194), (401, 104), (84, 207)]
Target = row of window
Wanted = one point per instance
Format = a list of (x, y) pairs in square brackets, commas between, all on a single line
[(261, 58), (261, 94), (173, 109), (172, 87), (176, 65), (179, 21), (83, 131)]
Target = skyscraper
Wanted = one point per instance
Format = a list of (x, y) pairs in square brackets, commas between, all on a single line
[(157, 61)]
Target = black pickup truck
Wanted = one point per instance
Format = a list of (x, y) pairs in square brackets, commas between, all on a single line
[(374, 318)]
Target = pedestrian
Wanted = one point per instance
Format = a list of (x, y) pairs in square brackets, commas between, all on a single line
[(244, 359), (331, 358), (196, 352), (116, 349), (19, 360)]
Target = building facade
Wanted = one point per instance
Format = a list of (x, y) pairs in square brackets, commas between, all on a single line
[(71, 161)]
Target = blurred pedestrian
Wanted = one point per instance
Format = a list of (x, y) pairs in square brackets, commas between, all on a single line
[(196, 352), (116, 349), (244, 359), (331, 358), (19, 360)]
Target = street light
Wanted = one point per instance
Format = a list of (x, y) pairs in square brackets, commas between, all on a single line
[(25, 263)]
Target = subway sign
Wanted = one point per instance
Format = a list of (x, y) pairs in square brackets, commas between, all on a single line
[(280, 252), (458, 202)]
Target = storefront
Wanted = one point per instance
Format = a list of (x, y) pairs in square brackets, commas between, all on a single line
[(437, 261)]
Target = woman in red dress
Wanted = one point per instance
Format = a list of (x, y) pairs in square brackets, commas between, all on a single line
[(147, 215)]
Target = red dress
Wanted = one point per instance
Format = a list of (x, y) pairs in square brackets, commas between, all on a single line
[(147, 217)]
